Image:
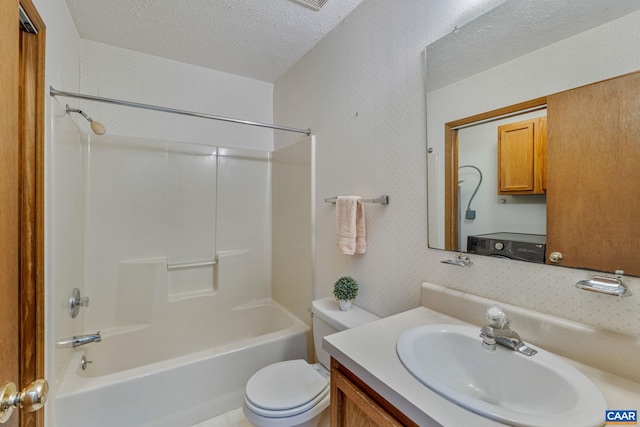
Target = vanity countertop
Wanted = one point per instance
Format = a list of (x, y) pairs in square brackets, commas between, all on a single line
[(369, 351)]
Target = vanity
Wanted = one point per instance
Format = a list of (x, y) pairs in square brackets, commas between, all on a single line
[(371, 385)]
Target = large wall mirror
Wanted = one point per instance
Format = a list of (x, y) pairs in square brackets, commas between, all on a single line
[(510, 78)]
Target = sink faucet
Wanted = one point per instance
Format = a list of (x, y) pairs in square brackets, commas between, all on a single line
[(499, 332)]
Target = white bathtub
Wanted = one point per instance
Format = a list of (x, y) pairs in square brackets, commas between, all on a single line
[(139, 380)]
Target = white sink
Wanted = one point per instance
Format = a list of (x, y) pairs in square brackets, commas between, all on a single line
[(540, 390)]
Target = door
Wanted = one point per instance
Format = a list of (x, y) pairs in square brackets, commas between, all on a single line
[(592, 179), (21, 200)]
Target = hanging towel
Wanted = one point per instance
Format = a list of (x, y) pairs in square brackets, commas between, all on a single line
[(350, 228)]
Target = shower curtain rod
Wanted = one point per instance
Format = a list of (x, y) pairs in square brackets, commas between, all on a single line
[(55, 92)]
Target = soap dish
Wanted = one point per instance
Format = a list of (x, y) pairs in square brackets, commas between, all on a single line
[(604, 285)]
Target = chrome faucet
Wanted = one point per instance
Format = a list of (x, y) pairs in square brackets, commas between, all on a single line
[(499, 332), (79, 340)]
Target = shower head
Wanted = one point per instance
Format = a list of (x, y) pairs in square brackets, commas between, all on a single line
[(97, 127)]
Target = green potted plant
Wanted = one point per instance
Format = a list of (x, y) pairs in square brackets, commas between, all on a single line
[(345, 291)]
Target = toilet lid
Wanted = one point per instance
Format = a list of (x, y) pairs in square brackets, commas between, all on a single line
[(285, 385)]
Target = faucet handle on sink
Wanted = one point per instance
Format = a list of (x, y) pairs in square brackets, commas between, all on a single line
[(497, 316)]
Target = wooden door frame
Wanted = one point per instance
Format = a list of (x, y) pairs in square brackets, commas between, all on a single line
[(451, 163), (9, 212), (32, 237), (22, 194)]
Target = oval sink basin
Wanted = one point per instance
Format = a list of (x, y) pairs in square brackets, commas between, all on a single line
[(540, 390)]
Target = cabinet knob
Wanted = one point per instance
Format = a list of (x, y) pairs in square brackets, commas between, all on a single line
[(555, 257)]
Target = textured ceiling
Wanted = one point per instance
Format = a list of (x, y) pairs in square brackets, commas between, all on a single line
[(512, 29), (260, 39)]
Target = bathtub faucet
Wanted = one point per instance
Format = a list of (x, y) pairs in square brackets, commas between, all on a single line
[(79, 340)]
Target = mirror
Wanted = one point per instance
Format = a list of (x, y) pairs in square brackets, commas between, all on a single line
[(483, 208), (513, 55)]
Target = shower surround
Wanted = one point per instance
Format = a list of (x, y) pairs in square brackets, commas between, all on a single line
[(203, 212), (176, 258)]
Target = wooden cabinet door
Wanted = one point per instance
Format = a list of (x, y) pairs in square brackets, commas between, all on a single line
[(353, 403), (515, 157), (521, 157), (593, 183), (354, 408)]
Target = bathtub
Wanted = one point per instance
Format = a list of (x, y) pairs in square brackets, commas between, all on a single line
[(145, 378)]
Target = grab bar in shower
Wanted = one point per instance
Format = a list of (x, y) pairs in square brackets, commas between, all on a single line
[(192, 264), (384, 200)]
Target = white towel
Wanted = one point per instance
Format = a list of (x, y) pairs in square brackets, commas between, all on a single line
[(350, 227)]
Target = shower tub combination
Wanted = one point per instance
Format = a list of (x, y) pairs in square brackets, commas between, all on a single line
[(179, 269), (146, 378)]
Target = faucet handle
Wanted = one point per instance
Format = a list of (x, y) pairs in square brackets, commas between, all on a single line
[(496, 316), (75, 302)]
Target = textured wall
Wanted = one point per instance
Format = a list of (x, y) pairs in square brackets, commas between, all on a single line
[(361, 90)]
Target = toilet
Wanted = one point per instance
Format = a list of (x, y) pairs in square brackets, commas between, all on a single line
[(295, 392)]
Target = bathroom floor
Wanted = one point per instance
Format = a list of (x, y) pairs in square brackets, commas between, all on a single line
[(236, 418), (233, 418)]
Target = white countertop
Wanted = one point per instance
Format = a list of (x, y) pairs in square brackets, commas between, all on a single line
[(369, 351)]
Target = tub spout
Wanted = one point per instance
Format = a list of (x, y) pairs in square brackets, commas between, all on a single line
[(79, 340)]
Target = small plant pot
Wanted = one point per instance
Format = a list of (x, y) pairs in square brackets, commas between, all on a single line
[(345, 290), (345, 305)]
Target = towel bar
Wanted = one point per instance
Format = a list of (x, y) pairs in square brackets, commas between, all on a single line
[(384, 200)]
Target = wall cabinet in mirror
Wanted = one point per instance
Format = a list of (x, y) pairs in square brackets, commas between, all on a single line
[(521, 157)]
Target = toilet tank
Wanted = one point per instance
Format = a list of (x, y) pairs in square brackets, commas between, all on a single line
[(329, 319)]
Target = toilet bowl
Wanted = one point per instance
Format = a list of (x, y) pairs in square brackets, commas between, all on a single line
[(291, 393), (295, 392)]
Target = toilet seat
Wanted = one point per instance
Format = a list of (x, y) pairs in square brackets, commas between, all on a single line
[(285, 389)]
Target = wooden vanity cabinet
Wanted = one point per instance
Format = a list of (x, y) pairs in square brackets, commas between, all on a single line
[(522, 150), (355, 404)]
